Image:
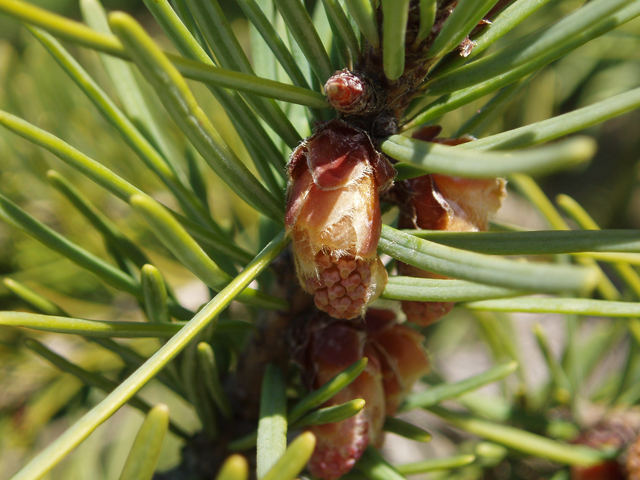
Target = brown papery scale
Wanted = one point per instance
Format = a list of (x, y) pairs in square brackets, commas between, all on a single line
[(333, 218)]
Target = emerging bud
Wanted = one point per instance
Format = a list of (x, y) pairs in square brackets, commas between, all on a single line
[(441, 202), (333, 218), (350, 93), (469, 203), (340, 445)]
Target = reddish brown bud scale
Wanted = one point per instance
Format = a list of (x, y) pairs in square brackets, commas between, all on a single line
[(472, 202), (333, 218)]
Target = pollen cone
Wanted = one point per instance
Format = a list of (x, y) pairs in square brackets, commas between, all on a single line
[(333, 218), (441, 202), (324, 347)]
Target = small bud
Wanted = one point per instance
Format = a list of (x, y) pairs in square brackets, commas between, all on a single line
[(608, 470), (333, 218), (341, 444), (350, 93), (427, 133)]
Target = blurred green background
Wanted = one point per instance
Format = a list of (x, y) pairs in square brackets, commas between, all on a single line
[(33, 87)]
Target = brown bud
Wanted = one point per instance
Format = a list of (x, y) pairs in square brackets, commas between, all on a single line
[(340, 445), (333, 218), (427, 133), (350, 93)]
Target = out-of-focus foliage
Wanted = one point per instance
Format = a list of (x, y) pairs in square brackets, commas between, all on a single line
[(38, 402)]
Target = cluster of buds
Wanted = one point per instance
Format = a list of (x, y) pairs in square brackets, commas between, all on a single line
[(333, 218), (618, 432), (441, 202), (324, 347)]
